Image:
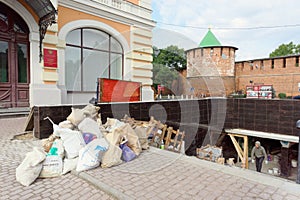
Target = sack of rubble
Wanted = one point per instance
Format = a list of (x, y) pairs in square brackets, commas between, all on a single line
[(112, 124), (133, 140), (31, 166), (72, 142), (53, 164), (78, 115), (90, 156), (88, 137), (66, 124), (141, 132), (47, 142), (89, 125), (113, 155), (91, 111), (69, 165)]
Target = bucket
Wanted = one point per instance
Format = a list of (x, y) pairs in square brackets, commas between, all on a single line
[(275, 171), (270, 171), (294, 163)]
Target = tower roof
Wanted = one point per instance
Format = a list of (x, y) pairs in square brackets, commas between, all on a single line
[(209, 40)]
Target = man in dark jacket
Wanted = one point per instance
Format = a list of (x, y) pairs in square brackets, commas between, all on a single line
[(260, 154)]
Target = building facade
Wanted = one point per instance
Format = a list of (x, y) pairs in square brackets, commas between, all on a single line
[(49, 59)]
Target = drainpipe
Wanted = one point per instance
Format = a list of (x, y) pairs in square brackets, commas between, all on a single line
[(298, 174)]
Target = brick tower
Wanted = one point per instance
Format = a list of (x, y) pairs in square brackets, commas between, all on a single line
[(211, 67)]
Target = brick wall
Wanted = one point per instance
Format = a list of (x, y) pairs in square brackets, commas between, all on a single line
[(283, 73), (276, 116)]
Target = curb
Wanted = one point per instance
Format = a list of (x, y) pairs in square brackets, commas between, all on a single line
[(280, 183), (102, 186)]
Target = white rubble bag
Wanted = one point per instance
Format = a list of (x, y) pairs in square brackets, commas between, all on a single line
[(72, 142), (53, 164), (66, 124), (89, 125), (31, 166), (90, 156), (69, 165)]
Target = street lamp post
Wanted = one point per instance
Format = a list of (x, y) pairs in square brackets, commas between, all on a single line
[(298, 174)]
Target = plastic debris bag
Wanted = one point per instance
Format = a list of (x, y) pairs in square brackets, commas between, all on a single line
[(53, 164), (127, 153), (31, 166), (90, 156), (72, 142), (69, 165), (88, 137), (89, 125)]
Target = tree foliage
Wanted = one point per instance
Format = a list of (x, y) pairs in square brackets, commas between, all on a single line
[(172, 57), (163, 75), (166, 64), (285, 50)]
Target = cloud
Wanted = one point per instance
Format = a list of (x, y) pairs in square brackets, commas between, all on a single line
[(252, 44)]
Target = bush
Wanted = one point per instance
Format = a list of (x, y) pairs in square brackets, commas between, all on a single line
[(282, 95)]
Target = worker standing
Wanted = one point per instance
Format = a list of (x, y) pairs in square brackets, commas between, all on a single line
[(259, 153)]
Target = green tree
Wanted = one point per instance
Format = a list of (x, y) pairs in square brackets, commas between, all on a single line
[(163, 75), (166, 64), (285, 50), (172, 57)]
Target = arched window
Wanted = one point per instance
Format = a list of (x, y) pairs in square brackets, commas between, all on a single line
[(91, 54)]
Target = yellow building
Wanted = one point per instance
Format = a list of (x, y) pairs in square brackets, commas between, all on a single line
[(53, 51)]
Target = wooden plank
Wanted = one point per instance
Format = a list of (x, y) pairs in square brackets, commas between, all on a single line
[(169, 135), (246, 151), (237, 147), (242, 153), (29, 124)]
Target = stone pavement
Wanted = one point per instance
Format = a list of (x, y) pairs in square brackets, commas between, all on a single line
[(155, 174), (12, 154)]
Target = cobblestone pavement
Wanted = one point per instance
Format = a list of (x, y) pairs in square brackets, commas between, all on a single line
[(155, 174), (12, 154), (158, 174)]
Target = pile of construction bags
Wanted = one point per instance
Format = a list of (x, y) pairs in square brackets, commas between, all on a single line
[(80, 143)]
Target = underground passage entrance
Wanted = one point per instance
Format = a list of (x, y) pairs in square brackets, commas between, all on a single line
[(281, 150)]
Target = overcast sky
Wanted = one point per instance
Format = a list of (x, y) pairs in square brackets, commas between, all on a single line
[(191, 19)]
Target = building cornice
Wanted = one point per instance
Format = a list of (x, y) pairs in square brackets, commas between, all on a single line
[(108, 12), (208, 47)]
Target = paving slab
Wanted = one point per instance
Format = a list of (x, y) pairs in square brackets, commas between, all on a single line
[(12, 154), (160, 174), (155, 174)]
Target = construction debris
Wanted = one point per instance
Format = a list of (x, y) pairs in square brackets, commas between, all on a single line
[(210, 153), (82, 142)]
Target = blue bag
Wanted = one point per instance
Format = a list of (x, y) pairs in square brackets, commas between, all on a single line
[(127, 153)]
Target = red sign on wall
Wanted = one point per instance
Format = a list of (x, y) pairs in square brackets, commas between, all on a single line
[(50, 58), (118, 90)]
